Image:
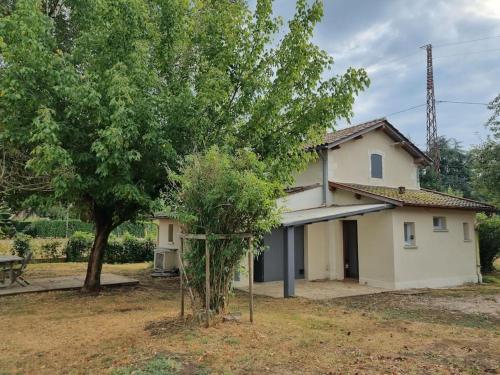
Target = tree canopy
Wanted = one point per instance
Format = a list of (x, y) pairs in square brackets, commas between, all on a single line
[(106, 96)]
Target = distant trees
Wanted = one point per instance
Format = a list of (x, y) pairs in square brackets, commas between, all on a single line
[(455, 173)]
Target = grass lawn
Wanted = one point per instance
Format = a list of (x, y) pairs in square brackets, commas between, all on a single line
[(441, 331)]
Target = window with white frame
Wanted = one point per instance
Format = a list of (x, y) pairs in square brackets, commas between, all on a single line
[(466, 231), (170, 233), (439, 223), (376, 165), (409, 233)]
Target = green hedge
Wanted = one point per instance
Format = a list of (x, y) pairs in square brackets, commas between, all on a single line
[(127, 249), (57, 228), (489, 241)]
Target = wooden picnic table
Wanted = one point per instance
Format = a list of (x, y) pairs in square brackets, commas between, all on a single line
[(7, 263)]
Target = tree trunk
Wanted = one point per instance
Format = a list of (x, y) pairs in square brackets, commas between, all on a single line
[(103, 228)]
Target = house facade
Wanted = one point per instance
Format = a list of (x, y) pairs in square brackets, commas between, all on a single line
[(358, 212)]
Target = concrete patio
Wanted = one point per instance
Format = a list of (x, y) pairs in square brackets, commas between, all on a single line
[(315, 290), (64, 283)]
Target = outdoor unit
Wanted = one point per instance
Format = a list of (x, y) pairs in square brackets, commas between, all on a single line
[(165, 262)]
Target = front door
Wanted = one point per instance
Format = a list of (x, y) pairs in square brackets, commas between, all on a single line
[(350, 232)]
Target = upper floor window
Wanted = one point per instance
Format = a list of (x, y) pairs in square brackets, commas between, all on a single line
[(376, 165), (409, 234), (466, 232), (439, 223)]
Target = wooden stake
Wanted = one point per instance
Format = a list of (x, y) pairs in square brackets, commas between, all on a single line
[(250, 276), (207, 283), (181, 274)]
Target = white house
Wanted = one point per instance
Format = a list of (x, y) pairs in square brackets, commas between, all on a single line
[(358, 212)]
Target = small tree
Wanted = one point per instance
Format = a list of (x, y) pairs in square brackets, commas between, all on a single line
[(223, 194), (489, 241)]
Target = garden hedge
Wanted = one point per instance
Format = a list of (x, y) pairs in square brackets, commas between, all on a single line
[(126, 249), (57, 228)]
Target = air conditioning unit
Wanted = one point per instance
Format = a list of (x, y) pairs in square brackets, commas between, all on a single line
[(165, 262)]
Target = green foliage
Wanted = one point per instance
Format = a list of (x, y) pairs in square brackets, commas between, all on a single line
[(57, 228), (224, 194), (51, 250), (78, 247), (127, 249), (21, 244), (489, 241), (115, 91), (455, 172), (494, 121), (485, 163), (7, 228)]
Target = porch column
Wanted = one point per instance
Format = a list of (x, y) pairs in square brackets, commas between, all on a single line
[(289, 262)]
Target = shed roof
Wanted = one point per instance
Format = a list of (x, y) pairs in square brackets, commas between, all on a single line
[(315, 215), (413, 197)]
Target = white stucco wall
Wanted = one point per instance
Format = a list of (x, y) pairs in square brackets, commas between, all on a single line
[(316, 251), (375, 249), (310, 198), (171, 257), (311, 175), (351, 162), (440, 259)]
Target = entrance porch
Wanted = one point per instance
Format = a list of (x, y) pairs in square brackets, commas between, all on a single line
[(315, 290)]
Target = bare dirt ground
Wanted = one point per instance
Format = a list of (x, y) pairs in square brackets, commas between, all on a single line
[(135, 331)]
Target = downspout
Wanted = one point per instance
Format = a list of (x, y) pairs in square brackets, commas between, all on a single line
[(478, 258), (323, 154)]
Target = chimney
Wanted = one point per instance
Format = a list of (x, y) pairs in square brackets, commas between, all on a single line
[(401, 189)]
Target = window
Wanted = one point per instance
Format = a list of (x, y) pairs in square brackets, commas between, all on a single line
[(171, 233), (376, 165), (439, 223), (466, 232), (409, 229)]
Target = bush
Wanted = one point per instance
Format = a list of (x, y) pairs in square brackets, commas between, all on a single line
[(51, 250), (21, 245), (489, 241), (128, 249), (78, 247), (57, 228)]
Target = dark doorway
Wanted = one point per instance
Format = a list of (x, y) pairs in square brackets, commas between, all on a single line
[(350, 232)]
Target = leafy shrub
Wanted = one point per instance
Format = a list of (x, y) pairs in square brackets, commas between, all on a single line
[(51, 250), (78, 247), (223, 193), (57, 228), (128, 249), (489, 241), (7, 229), (21, 245)]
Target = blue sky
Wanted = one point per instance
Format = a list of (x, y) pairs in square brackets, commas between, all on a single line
[(378, 34)]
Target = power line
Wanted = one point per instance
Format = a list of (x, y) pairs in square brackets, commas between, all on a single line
[(405, 110), (437, 101), (465, 41), (458, 102), (469, 53)]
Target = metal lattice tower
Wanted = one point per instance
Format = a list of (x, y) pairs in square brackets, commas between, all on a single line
[(432, 139)]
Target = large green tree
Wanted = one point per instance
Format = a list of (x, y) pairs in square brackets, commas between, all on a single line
[(454, 169), (105, 96)]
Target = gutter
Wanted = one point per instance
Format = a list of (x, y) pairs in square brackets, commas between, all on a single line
[(323, 154)]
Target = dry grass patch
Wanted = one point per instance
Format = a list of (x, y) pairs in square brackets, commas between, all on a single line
[(69, 333)]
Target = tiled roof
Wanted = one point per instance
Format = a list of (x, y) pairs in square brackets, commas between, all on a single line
[(413, 197), (344, 133), (338, 137)]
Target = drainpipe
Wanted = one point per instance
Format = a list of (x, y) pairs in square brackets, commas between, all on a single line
[(323, 154), (478, 258)]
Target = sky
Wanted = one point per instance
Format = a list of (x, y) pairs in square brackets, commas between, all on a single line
[(384, 36)]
